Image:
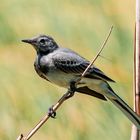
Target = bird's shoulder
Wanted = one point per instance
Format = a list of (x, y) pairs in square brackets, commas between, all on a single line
[(66, 54)]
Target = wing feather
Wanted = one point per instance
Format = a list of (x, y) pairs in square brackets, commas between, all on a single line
[(71, 62)]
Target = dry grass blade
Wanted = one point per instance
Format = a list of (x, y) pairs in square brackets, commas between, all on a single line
[(98, 54)]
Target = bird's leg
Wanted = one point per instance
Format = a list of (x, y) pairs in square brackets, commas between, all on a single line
[(66, 96), (71, 89), (51, 112)]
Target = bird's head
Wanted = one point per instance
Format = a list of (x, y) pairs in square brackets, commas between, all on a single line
[(42, 43)]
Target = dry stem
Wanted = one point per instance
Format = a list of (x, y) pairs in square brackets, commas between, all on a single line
[(135, 131)]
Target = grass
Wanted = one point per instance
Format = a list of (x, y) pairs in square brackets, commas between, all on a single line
[(79, 25)]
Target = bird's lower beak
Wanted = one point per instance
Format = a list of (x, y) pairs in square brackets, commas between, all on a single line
[(27, 41)]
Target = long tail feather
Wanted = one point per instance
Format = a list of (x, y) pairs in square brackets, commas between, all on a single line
[(128, 112)]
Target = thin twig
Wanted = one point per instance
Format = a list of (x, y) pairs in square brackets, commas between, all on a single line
[(45, 118), (98, 54), (63, 98)]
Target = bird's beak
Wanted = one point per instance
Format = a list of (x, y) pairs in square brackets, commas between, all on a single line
[(30, 41)]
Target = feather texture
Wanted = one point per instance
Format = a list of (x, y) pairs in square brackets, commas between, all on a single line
[(71, 62)]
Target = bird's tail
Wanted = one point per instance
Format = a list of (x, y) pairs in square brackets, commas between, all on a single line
[(128, 112)]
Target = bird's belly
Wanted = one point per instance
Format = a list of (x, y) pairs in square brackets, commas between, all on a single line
[(63, 79), (60, 78)]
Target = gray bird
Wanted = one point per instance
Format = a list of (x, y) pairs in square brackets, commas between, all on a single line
[(61, 66)]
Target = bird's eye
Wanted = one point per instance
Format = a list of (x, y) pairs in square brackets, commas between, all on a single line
[(42, 41)]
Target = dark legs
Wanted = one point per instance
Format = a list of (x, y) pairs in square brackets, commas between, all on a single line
[(70, 93), (71, 90)]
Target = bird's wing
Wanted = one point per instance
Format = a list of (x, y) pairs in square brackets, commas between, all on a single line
[(71, 62), (95, 71)]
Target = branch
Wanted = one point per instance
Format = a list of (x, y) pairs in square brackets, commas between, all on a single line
[(135, 132), (63, 98)]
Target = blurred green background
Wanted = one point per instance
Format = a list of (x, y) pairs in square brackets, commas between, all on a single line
[(82, 26)]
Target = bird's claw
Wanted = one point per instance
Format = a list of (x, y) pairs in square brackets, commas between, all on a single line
[(51, 113), (71, 93)]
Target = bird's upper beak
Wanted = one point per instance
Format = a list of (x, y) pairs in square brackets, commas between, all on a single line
[(30, 41)]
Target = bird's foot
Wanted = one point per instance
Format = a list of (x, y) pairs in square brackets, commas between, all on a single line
[(51, 112)]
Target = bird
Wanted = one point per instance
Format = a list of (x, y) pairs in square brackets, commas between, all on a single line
[(61, 66)]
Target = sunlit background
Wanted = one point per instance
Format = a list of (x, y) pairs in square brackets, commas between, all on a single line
[(82, 26)]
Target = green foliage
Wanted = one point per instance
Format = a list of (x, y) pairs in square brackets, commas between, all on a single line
[(82, 26)]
